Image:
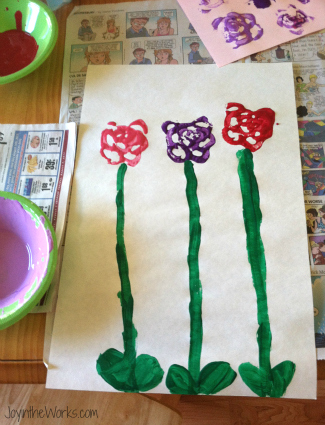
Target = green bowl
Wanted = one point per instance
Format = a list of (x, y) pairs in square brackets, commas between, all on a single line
[(28, 256), (37, 20)]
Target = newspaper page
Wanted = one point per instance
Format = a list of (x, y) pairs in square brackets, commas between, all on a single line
[(37, 161), (307, 55), (140, 33)]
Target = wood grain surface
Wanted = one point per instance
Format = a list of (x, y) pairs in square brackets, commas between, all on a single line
[(39, 405), (134, 409), (36, 99)]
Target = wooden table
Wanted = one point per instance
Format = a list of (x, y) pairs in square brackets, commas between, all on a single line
[(36, 99)]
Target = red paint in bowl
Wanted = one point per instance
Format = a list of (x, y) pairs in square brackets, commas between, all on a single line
[(18, 48)]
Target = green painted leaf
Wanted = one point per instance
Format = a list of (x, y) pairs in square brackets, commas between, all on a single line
[(216, 376), (256, 379), (282, 375), (273, 384), (148, 373), (108, 359), (116, 370), (143, 374), (180, 381)]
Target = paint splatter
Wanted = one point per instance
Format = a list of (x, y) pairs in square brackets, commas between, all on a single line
[(17, 48), (262, 4), (293, 22), (126, 371), (207, 5), (262, 380), (239, 28), (247, 128), (194, 139)]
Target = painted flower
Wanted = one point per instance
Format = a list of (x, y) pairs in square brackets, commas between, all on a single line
[(124, 143), (248, 128), (293, 22), (125, 371), (189, 141), (240, 28)]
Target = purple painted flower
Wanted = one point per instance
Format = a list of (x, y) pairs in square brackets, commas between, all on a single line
[(189, 141), (239, 28), (293, 22)]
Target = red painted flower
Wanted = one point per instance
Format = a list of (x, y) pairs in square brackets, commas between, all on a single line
[(248, 128), (124, 143)]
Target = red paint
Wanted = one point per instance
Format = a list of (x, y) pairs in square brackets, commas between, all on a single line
[(124, 143), (248, 128), (19, 20), (17, 48)]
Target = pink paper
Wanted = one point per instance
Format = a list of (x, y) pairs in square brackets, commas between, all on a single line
[(234, 29)]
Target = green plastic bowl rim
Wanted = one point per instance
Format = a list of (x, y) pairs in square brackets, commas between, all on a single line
[(38, 61), (53, 257)]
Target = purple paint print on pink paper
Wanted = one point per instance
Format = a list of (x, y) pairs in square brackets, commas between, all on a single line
[(239, 28), (293, 22), (262, 4), (189, 141), (207, 5)]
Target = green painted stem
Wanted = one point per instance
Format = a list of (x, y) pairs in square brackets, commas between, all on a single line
[(129, 333), (195, 307), (255, 249)]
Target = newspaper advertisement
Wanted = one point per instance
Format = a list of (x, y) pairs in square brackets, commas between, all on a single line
[(37, 161), (307, 55), (159, 33)]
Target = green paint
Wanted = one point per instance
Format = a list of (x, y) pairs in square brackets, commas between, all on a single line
[(125, 371), (195, 307), (11, 308), (32, 288), (216, 375), (263, 380)]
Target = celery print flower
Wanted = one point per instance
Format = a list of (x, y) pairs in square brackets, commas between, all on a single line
[(188, 142), (238, 28), (124, 143), (247, 128), (251, 129), (125, 371)]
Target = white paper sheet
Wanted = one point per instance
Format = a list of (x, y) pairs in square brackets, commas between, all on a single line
[(88, 318)]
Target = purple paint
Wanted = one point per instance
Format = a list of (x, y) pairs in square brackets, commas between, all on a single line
[(239, 28), (189, 141), (24, 252), (208, 5), (262, 4), (293, 22)]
